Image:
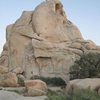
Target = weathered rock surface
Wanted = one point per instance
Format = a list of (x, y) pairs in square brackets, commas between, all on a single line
[(35, 92), (44, 42), (17, 70), (5, 95), (87, 84), (36, 87), (33, 98), (4, 56), (19, 90), (8, 80), (3, 69)]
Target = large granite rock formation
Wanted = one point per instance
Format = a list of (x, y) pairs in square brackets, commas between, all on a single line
[(44, 42)]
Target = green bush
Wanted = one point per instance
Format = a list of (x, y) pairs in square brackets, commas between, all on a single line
[(87, 67), (55, 81), (20, 81), (83, 95), (55, 96), (77, 95)]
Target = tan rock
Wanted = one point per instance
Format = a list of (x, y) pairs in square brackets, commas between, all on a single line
[(19, 38), (3, 69), (35, 92), (44, 42), (36, 84), (4, 56), (90, 45), (87, 84), (76, 45), (36, 87), (18, 70), (50, 23), (8, 80)]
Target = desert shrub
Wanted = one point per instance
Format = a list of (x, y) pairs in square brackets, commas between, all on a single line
[(83, 95), (54, 81), (87, 67), (77, 95), (20, 81), (55, 96)]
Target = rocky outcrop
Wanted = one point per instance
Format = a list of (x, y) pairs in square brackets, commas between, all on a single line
[(36, 87), (8, 80), (84, 84), (6, 95), (44, 43), (3, 70)]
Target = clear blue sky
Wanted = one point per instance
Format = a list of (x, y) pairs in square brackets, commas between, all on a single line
[(84, 13)]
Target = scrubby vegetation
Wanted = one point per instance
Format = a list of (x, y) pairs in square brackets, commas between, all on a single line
[(55, 81), (55, 96), (87, 67), (77, 95), (20, 81)]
